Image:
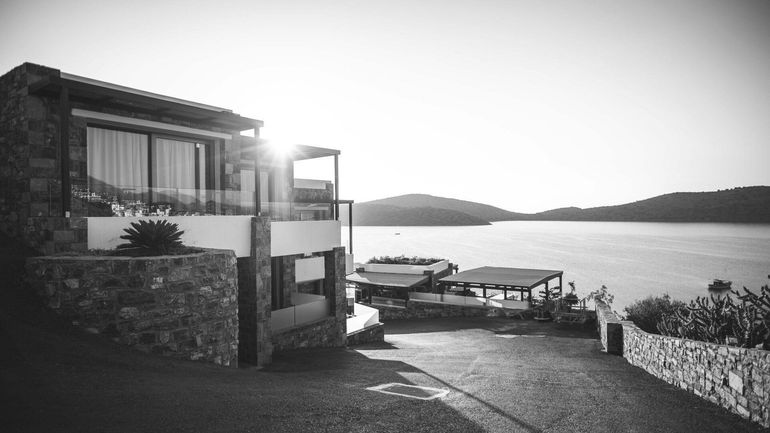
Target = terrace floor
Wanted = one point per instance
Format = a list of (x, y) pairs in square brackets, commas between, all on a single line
[(500, 375)]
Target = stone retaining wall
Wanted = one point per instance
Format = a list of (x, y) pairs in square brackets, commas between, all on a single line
[(179, 306), (322, 333), (610, 329), (372, 334), (433, 310), (735, 378)]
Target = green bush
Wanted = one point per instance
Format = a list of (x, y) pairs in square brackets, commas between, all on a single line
[(646, 313)]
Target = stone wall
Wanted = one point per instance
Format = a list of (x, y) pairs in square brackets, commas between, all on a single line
[(255, 297), (610, 329), (735, 378), (179, 306), (322, 333), (372, 334), (30, 175), (433, 310)]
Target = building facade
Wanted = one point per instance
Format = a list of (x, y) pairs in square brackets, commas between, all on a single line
[(80, 159)]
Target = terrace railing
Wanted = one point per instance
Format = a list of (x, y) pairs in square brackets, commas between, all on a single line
[(300, 314)]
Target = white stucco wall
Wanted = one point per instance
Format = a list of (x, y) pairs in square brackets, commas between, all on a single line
[(220, 231)]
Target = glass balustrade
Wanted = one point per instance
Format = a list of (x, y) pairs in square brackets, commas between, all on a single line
[(132, 201)]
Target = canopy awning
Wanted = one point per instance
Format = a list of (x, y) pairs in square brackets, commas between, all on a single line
[(387, 280), (501, 277)]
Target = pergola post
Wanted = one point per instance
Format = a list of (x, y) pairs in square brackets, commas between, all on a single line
[(337, 189), (350, 226)]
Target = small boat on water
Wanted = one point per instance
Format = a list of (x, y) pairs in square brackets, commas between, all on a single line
[(720, 285)]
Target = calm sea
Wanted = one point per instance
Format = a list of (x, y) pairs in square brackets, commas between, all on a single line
[(633, 260)]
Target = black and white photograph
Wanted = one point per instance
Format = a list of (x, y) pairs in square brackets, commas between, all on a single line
[(476, 216)]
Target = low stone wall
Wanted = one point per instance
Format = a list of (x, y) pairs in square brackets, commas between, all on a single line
[(610, 329), (735, 378), (179, 306), (433, 310), (372, 334), (322, 333)]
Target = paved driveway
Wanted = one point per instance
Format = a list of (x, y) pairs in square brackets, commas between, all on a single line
[(501, 375), (507, 375)]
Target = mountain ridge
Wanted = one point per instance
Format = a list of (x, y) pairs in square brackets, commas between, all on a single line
[(740, 205)]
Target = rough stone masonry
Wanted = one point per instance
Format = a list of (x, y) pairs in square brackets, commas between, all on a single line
[(182, 306)]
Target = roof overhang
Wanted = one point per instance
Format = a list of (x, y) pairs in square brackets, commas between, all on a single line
[(383, 279), (489, 276), (301, 151), (295, 152), (101, 94)]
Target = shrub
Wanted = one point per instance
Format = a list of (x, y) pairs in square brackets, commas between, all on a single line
[(646, 313), (151, 238), (602, 294), (403, 260), (722, 320)]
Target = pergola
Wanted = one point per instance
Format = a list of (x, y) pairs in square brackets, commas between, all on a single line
[(505, 279), (400, 283)]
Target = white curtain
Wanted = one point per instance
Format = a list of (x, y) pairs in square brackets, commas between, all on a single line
[(173, 170), (173, 164), (117, 160)]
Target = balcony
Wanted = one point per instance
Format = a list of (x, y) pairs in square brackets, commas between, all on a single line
[(229, 232), (307, 309), (302, 237), (138, 201)]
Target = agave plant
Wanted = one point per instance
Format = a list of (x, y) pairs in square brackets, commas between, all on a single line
[(152, 238)]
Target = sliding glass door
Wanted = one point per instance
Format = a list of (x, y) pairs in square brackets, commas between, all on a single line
[(141, 174)]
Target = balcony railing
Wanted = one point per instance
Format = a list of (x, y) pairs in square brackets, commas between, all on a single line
[(469, 300), (145, 201), (311, 310), (130, 201)]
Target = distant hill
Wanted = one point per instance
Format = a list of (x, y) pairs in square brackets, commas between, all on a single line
[(478, 210), (745, 205), (748, 204), (373, 214)]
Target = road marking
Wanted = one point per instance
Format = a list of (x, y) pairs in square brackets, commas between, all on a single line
[(410, 391)]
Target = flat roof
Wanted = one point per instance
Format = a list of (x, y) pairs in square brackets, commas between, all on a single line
[(386, 279), (495, 276), (104, 94)]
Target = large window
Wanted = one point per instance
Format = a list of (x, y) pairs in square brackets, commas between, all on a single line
[(142, 174), (117, 161)]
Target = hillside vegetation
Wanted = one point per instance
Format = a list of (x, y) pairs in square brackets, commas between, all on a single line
[(749, 204), (370, 214), (740, 205)]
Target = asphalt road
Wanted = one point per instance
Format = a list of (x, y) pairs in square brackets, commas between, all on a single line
[(501, 375)]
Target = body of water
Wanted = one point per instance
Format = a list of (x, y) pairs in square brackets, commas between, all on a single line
[(633, 260)]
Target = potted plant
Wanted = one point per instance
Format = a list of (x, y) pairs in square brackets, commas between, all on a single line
[(571, 299)]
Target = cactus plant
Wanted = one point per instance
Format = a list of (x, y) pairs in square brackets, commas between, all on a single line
[(723, 320)]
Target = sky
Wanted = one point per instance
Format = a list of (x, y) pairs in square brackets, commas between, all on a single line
[(524, 105)]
